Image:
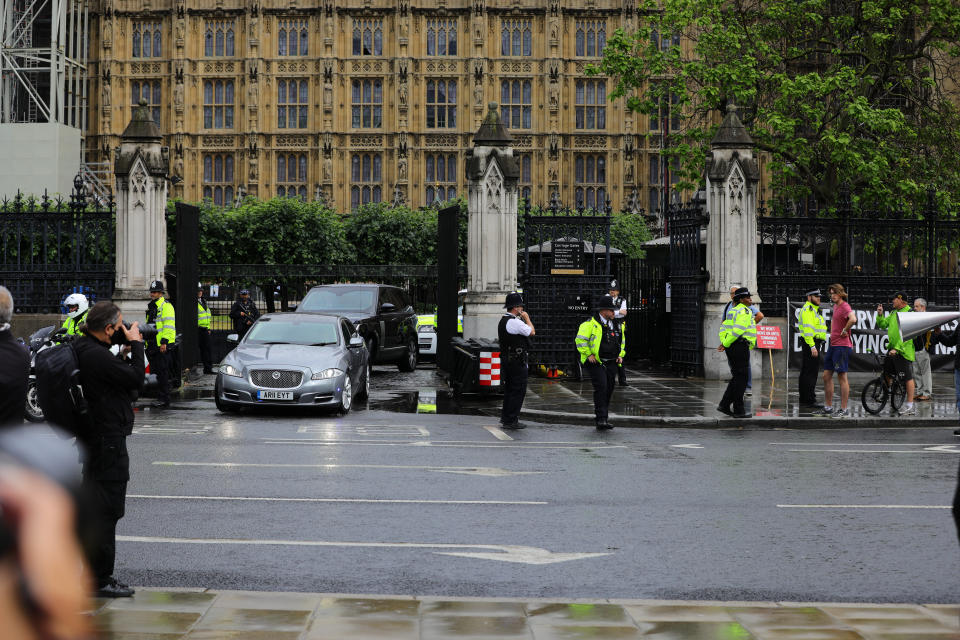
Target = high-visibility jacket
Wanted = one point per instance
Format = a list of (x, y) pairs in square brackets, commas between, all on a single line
[(589, 336), (737, 324), (71, 324), (892, 324), (812, 326), (203, 316), (166, 322)]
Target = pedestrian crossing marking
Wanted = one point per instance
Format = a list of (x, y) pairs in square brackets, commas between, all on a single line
[(367, 430)]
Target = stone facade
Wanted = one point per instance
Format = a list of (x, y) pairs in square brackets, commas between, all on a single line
[(351, 101)]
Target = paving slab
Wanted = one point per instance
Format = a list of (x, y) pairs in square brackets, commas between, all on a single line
[(159, 614)]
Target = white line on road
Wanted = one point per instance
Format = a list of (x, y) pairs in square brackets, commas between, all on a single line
[(858, 444), (501, 552), (364, 500), (687, 446), (498, 433), (445, 443), (472, 471), (940, 449), (861, 506)]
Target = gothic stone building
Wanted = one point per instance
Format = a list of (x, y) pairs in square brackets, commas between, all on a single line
[(365, 99)]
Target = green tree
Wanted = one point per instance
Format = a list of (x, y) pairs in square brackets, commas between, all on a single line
[(863, 92)]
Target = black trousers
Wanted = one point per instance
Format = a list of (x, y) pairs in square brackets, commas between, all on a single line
[(513, 377), (105, 475), (603, 376), (809, 372), (160, 365), (203, 340), (738, 357)]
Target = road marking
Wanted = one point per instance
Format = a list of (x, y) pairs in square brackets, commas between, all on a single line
[(498, 433), (687, 446), (470, 471), (147, 430), (501, 552), (858, 444), (941, 449), (366, 430), (861, 506), (517, 445), (362, 500)]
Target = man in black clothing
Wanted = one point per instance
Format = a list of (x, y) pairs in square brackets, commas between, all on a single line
[(244, 312), (110, 386), (14, 366), (620, 317), (514, 331), (600, 343)]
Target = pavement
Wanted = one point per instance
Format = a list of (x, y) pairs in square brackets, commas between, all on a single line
[(651, 399), (159, 614)]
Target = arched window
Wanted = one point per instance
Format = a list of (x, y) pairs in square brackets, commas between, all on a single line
[(219, 39), (366, 174), (441, 104), (292, 106), (146, 39), (591, 104), (590, 177), (292, 175), (218, 104), (440, 177), (367, 103), (516, 37), (516, 98), (218, 178)]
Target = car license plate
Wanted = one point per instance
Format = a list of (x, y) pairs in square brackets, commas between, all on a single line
[(274, 395)]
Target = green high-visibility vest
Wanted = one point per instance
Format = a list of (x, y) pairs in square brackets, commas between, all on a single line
[(812, 325), (166, 322), (203, 316), (737, 324)]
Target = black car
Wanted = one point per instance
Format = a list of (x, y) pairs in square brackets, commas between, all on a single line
[(381, 313)]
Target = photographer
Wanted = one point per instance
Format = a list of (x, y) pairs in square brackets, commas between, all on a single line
[(109, 385), (14, 366)]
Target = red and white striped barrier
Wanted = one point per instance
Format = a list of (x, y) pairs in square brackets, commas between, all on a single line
[(489, 368)]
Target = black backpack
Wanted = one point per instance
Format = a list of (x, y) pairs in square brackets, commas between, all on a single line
[(58, 389)]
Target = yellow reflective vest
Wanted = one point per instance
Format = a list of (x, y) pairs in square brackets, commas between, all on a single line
[(812, 326), (588, 340), (737, 324), (203, 316), (166, 322), (71, 324)]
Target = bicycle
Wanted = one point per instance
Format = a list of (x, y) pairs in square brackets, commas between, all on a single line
[(885, 386)]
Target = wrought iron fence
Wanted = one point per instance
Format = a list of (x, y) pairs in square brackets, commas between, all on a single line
[(872, 253), (52, 247), (648, 323), (688, 280), (565, 263)]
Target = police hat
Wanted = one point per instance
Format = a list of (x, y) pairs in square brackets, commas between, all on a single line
[(244, 291), (614, 285), (156, 286), (606, 302), (199, 286), (814, 292), (742, 292), (513, 300), (901, 295)]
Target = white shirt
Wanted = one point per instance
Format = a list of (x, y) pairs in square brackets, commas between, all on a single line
[(516, 326), (623, 309)]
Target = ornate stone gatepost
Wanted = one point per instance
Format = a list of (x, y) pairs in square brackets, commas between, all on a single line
[(732, 178), (492, 174), (140, 166)]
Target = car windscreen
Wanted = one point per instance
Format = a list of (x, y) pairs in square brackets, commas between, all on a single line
[(293, 330), (340, 300)]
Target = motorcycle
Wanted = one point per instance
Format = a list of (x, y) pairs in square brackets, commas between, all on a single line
[(44, 339)]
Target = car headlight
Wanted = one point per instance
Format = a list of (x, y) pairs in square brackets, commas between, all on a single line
[(230, 370), (426, 328), (326, 373)]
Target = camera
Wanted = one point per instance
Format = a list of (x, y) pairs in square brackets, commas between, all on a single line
[(148, 331)]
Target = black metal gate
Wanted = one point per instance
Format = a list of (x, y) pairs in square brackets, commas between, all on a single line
[(648, 323), (686, 287), (50, 248), (565, 267)]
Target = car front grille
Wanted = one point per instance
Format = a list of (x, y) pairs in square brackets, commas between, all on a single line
[(276, 378)]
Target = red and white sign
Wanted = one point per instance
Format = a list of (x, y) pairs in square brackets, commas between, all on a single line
[(768, 337), (489, 369)]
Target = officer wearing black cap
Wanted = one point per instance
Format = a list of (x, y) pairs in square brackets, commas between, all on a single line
[(204, 319), (160, 313), (244, 313), (600, 343), (514, 331), (620, 317), (738, 335)]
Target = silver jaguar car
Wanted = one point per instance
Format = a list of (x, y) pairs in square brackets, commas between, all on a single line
[(295, 359)]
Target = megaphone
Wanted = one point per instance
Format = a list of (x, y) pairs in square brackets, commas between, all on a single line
[(915, 323)]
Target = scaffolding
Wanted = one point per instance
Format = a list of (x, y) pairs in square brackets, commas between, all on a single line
[(43, 62)]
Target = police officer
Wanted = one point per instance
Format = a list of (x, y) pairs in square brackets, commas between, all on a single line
[(738, 335), (620, 317), (813, 330), (601, 346), (161, 314), (77, 306), (514, 331), (244, 312), (203, 330)]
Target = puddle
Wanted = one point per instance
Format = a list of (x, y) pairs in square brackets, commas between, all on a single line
[(194, 394), (424, 401)]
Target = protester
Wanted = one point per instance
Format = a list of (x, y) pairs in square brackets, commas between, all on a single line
[(922, 345), (109, 385), (901, 354), (14, 366), (837, 357), (514, 331)]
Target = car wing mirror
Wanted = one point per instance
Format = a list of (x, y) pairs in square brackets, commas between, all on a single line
[(387, 307), (233, 338), (356, 341), (292, 307)]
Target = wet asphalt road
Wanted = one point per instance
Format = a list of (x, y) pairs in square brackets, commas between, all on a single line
[(401, 503)]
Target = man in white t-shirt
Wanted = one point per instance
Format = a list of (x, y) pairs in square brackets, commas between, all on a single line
[(620, 317)]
